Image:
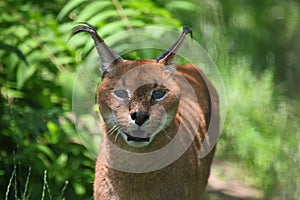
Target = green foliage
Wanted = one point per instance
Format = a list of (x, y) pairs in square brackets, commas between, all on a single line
[(41, 154), (254, 44), (260, 129)]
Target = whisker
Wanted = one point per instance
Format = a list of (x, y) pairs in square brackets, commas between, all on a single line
[(166, 134), (117, 136), (112, 130)]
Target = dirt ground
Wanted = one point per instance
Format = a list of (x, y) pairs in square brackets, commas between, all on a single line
[(227, 182)]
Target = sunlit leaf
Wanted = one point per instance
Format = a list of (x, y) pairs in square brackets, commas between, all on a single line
[(68, 8), (24, 73), (181, 5), (93, 9)]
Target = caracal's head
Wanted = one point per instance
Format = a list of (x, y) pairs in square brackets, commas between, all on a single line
[(138, 100)]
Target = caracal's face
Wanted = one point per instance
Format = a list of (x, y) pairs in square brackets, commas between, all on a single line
[(138, 100)]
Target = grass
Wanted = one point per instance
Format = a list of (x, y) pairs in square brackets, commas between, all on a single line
[(12, 191), (10, 183)]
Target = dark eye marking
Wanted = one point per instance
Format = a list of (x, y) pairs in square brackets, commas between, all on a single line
[(158, 94), (123, 94)]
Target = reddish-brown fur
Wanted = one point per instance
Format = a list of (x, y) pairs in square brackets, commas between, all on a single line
[(186, 178), (189, 102)]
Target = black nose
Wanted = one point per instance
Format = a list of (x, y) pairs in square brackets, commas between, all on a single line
[(139, 117)]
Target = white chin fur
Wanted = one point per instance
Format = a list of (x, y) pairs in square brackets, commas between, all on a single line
[(140, 144)]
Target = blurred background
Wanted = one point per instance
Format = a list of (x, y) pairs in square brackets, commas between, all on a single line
[(254, 43)]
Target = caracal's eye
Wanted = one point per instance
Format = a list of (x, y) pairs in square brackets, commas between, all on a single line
[(123, 94), (159, 94)]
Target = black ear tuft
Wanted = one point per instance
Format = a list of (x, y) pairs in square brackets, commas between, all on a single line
[(107, 55), (86, 27), (167, 56)]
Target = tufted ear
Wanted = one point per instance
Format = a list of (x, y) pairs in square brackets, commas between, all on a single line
[(167, 56), (107, 55)]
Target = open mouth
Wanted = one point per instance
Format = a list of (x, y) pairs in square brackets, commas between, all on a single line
[(136, 139)]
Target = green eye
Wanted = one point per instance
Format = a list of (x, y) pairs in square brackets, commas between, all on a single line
[(121, 93), (158, 94)]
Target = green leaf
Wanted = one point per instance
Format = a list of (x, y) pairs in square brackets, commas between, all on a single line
[(12, 93), (68, 8), (62, 160), (104, 15), (79, 188), (93, 9), (181, 5), (24, 73), (45, 150)]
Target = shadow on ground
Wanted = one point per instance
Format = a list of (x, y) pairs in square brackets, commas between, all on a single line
[(225, 183), (219, 195)]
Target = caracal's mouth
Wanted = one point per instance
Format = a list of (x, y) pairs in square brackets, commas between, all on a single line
[(136, 139), (134, 136), (140, 137)]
